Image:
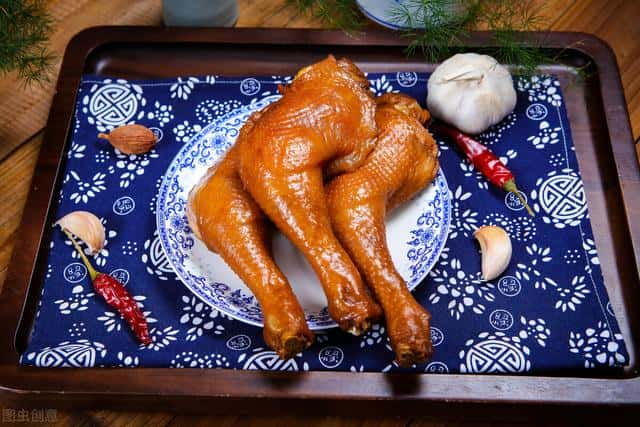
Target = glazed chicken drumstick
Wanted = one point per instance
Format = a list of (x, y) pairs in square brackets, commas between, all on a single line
[(403, 162), (223, 215), (324, 123)]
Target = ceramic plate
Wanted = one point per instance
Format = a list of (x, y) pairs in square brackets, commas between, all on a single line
[(385, 12), (416, 232)]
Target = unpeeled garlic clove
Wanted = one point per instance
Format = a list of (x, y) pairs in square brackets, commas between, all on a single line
[(87, 227), (495, 246)]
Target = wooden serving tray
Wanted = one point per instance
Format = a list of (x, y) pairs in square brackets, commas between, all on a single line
[(605, 150)]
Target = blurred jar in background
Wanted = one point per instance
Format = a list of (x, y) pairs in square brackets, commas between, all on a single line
[(200, 13)]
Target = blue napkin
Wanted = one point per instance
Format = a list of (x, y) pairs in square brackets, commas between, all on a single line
[(548, 312)]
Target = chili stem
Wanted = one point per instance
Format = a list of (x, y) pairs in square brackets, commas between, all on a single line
[(519, 196), (510, 186), (92, 272)]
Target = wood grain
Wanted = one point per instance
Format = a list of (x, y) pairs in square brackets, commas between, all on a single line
[(616, 22), (15, 179), (23, 112)]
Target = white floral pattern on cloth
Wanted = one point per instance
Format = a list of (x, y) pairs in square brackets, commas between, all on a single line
[(127, 361), (182, 88), (531, 271), (373, 336), (189, 359), (381, 85), (77, 330), (462, 292), (161, 337), (78, 301), (556, 159), (536, 329), (549, 310), (572, 256), (211, 109), (163, 114), (464, 220), (153, 202), (86, 189), (76, 151), (199, 317), (571, 295), (541, 88), (131, 166), (184, 131), (546, 136), (598, 346), (589, 247)]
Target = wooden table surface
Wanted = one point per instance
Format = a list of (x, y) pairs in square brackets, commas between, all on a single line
[(23, 112)]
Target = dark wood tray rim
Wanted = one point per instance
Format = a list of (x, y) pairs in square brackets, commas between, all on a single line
[(239, 389)]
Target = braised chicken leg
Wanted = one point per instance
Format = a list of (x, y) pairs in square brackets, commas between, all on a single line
[(223, 215), (403, 162), (323, 124)]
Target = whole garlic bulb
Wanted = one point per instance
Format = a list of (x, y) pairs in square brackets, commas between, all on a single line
[(471, 92)]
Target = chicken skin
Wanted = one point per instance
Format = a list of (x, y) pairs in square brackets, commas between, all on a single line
[(223, 215), (323, 125), (403, 162)]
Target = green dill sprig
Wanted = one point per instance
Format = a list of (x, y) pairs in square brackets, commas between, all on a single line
[(435, 27), (446, 24), (340, 14), (24, 31), (439, 28), (506, 19)]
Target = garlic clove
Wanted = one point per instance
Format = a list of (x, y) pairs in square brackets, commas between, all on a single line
[(131, 139), (495, 246), (87, 227)]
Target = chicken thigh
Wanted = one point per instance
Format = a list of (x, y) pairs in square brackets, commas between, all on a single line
[(403, 162), (323, 124), (225, 217)]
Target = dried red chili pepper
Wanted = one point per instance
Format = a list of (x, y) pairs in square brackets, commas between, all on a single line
[(116, 296), (484, 160)]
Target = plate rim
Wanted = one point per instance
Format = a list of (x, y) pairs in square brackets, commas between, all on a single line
[(379, 20)]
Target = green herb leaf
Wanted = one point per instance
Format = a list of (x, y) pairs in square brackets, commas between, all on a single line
[(440, 28), (340, 14), (24, 31)]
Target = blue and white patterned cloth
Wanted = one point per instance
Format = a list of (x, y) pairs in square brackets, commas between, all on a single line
[(548, 312)]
